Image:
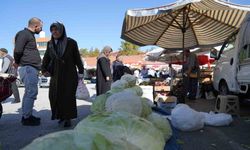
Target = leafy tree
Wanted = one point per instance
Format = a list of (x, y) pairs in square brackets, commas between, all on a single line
[(94, 53), (128, 48), (89, 53), (84, 52)]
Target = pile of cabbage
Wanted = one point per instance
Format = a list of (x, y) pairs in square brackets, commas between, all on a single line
[(122, 120)]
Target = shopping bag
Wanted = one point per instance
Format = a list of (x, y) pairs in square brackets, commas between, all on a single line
[(82, 92)]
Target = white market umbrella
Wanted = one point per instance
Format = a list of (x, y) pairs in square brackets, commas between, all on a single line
[(183, 24)]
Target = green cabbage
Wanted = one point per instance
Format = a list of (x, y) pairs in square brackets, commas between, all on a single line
[(146, 108), (72, 140), (63, 140), (130, 79), (125, 101), (136, 90), (161, 123), (98, 104), (122, 127), (119, 85)]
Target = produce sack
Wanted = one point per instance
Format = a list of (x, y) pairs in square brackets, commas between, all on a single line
[(186, 119)]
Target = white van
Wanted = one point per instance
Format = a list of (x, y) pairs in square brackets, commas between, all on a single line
[(232, 70)]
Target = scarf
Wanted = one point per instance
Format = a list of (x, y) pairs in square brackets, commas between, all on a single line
[(59, 45)]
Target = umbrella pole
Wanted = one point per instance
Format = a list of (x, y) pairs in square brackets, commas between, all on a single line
[(183, 54), (183, 29)]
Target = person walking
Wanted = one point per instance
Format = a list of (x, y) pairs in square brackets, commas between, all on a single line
[(7, 67), (61, 61), (103, 71), (27, 57)]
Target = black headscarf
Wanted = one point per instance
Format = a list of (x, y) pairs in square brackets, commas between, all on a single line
[(61, 43)]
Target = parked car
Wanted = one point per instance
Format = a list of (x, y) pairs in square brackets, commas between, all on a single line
[(90, 75), (44, 81), (232, 70)]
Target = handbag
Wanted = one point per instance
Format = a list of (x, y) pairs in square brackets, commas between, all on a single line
[(82, 92)]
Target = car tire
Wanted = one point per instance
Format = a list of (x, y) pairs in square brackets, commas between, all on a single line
[(223, 88)]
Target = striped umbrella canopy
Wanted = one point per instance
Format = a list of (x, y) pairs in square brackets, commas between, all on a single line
[(172, 57), (183, 24)]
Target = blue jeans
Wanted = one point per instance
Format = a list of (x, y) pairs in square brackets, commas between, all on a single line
[(29, 76)]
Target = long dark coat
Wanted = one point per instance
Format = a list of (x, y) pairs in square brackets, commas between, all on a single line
[(103, 70), (64, 80), (117, 70)]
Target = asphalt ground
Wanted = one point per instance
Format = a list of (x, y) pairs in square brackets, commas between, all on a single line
[(236, 136)]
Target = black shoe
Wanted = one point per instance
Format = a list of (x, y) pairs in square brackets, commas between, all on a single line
[(67, 123), (30, 121), (35, 118), (14, 102)]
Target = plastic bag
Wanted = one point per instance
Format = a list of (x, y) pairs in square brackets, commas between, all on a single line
[(82, 92), (186, 119), (220, 119)]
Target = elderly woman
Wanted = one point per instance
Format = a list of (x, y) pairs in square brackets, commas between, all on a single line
[(103, 71), (61, 61)]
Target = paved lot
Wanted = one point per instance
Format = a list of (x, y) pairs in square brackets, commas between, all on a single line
[(233, 137), (14, 136)]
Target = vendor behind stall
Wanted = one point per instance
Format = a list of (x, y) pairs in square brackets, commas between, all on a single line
[(191, 74)]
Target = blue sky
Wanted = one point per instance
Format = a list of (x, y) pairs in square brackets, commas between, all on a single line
[(92, 23)]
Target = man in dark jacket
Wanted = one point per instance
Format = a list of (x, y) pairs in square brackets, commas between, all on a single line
[(27, 57), (117, 67), (103, 71)]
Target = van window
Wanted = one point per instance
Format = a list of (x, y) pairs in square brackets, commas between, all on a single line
[(230, 44), (244, 55)]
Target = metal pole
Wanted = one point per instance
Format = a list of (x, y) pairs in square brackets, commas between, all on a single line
[(183, 40), (183, 55)]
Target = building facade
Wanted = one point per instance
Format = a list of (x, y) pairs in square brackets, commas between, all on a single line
[(42, 41)]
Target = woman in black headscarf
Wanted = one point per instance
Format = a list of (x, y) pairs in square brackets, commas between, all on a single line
[(60, 61), (103, 71)]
